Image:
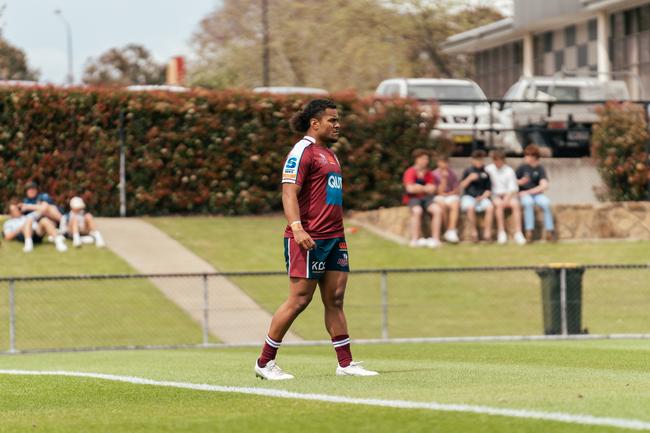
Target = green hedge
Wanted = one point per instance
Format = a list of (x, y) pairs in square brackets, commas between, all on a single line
[(620, 147), (199, 152)]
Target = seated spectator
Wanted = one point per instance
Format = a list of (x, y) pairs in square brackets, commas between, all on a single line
[(505, 196), (533, 182), (476, 196), (419, 190), (447, 197), (34, 198), (78, 223), (31, 228)]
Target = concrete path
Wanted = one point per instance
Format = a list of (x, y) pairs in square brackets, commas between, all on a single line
[(234, 316)]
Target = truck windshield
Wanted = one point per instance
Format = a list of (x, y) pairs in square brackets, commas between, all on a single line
[(429, 92)]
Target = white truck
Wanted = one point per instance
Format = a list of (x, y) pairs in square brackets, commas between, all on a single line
[(540, 110), (463, 117)]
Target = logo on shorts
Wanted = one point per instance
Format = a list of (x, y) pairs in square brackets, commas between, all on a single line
[(334, 189), (343, 261), (343, 246), (318, 267)]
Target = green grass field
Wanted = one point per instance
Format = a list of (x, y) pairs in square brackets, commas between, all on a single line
[(426, 305), (85, 313), (598, 378)]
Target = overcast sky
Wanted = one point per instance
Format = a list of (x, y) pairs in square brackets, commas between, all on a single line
[(163, 26)]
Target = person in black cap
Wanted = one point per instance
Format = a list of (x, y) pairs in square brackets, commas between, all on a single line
[(33, 199)]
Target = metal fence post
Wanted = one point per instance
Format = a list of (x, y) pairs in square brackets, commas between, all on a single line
[(563, 302), (12, 316), (122, 184), (384, 305), (206, 311)]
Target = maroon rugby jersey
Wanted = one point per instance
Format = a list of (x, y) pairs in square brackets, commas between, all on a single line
[(318, 172)]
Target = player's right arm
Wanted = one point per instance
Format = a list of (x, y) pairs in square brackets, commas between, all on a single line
[(296, 167), (292, 213)]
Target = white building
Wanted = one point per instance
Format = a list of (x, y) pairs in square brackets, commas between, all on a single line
[(605, 38)]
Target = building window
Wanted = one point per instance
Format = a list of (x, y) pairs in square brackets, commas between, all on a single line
[(518, 53), (644, 18), (548, 42), (592, 28), (582, 55), (559, 60), (630, 18), (569, 36)]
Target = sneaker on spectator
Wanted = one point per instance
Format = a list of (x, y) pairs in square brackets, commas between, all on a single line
[(59, 243), (422, 242), (433, 243), (502, 238), (29, 245), (76, 240), (451, 236), (520, 239)]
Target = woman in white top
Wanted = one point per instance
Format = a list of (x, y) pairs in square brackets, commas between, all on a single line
[(504, 195)]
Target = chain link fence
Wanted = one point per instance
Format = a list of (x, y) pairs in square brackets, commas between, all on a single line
[(133, 311)]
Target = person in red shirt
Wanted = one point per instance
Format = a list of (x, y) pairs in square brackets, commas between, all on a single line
[(419, 190), (315, 250)]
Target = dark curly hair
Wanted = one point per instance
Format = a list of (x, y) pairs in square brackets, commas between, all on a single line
[(313, 110)]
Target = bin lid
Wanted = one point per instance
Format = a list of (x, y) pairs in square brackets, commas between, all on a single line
[(563, 265)]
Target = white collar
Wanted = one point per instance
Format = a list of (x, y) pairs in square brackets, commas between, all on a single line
[(309, 138)]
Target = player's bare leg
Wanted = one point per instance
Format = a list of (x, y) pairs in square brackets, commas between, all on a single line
[(301, 291), (332, 288)]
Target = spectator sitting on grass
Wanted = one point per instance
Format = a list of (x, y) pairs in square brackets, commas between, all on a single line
[(78, 223), (447, 197), (31, 228), (33, 200), (419, 190), (476, 196), (533, 183), (505, 195)]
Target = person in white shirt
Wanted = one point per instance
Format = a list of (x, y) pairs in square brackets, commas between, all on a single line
[(78, 223), (504, 196), (31, 228)]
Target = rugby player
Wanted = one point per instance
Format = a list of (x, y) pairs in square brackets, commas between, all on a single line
[(315, 249)]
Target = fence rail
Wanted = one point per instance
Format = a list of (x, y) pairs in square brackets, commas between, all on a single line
[(85, 312)]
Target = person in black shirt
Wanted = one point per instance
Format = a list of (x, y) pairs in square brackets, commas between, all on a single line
[(533, 182), (476, 196)]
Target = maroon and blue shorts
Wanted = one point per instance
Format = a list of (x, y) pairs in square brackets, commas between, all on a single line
[(327, 255)]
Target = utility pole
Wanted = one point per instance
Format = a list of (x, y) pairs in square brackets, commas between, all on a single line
[(266, 80), (68, 31)]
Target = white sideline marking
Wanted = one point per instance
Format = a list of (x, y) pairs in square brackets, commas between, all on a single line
[(400, 404)]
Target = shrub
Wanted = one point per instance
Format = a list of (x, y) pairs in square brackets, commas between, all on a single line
[(197, 152), (620, 148)]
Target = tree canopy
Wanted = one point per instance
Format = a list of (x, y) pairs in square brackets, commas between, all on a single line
[(131, 64), (335, 45)]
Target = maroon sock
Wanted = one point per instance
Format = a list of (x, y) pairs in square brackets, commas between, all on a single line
[(269, 351), (342, 346)]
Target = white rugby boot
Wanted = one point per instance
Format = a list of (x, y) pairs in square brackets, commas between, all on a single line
[(354, 369), (271, 371)]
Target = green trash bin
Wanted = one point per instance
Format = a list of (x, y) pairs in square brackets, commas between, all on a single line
[(551, 279)]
